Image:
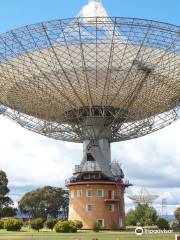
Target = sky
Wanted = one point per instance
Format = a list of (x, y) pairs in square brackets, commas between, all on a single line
[(32, 161)]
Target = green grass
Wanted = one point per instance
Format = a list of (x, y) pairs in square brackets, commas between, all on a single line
[(82, 235)]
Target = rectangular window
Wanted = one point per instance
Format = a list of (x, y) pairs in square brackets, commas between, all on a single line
[(100, 193), (89, 207), (101, 222), (111, 208), (72, 194), (79, 193), (88, 193)]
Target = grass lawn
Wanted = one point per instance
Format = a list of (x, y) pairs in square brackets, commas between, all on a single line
[(82, 235)]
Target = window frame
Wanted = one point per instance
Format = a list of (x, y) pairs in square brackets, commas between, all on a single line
[(72, 194), (87, 209), (77, 193), (102, 190), (112, 208), (101, 219), (87, 190)]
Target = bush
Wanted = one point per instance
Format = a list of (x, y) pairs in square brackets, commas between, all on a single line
[(78, 224), (1, 224), (163, 224), (96, 227), (37, 224), (174, 226), (113, 225), (65, 227), (50, 223), (13, 224)]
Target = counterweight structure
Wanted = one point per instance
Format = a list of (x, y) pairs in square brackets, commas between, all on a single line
[(94, 80)]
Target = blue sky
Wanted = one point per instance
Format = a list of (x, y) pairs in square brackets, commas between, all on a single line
[(16, 13), (152, 161)]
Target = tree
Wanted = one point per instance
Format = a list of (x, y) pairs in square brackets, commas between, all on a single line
[(177, 215), (143, 214), (6, 204), (163, 224), (130, 218), (45, 202), (37, 224)]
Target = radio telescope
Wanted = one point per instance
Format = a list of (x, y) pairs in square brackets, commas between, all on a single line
[(143, 197), (91, 79)]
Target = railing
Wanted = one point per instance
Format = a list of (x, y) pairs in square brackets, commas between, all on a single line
[(87, 168)]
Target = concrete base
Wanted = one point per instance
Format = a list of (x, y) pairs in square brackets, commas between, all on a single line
[(101, 202), (177, 237)]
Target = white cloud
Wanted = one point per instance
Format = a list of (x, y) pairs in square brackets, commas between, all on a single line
[(31, 160)]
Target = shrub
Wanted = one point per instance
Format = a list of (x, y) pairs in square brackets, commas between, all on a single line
[(13, 224), (50, 223), (96, 227), (1, 224), (65, 227), (163, 224), (37, 224), (78, 224), (174, 226)]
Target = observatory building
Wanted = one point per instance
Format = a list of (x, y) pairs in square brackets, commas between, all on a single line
[(95, 80)]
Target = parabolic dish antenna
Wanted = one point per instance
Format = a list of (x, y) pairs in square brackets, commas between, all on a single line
[(93, 77)]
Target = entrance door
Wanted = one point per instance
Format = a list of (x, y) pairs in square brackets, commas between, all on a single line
[(109, 194)]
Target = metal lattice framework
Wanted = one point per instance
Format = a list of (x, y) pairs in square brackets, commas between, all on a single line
[(143, 197), (62, 78)]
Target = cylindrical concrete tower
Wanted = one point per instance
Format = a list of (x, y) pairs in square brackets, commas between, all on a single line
[(99, 201)]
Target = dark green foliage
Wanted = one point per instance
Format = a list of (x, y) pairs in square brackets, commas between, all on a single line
[(174, 226), (65, 227), (131, 218), (13, 224), (50, 223), (78, 224), (6, 209), (163, 224), (177, 215), (96, 227), (43, 202), (1, 224), (37, 224), (143, 214)]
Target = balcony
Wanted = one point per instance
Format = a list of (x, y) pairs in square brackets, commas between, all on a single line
[(112, 200), (112, 197)]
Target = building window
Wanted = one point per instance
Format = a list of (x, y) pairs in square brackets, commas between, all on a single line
[(79, 193), (111, 194), (72, 194), (89, 207), (100, 193), (111, 208), (101, 222), (88, 193)]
